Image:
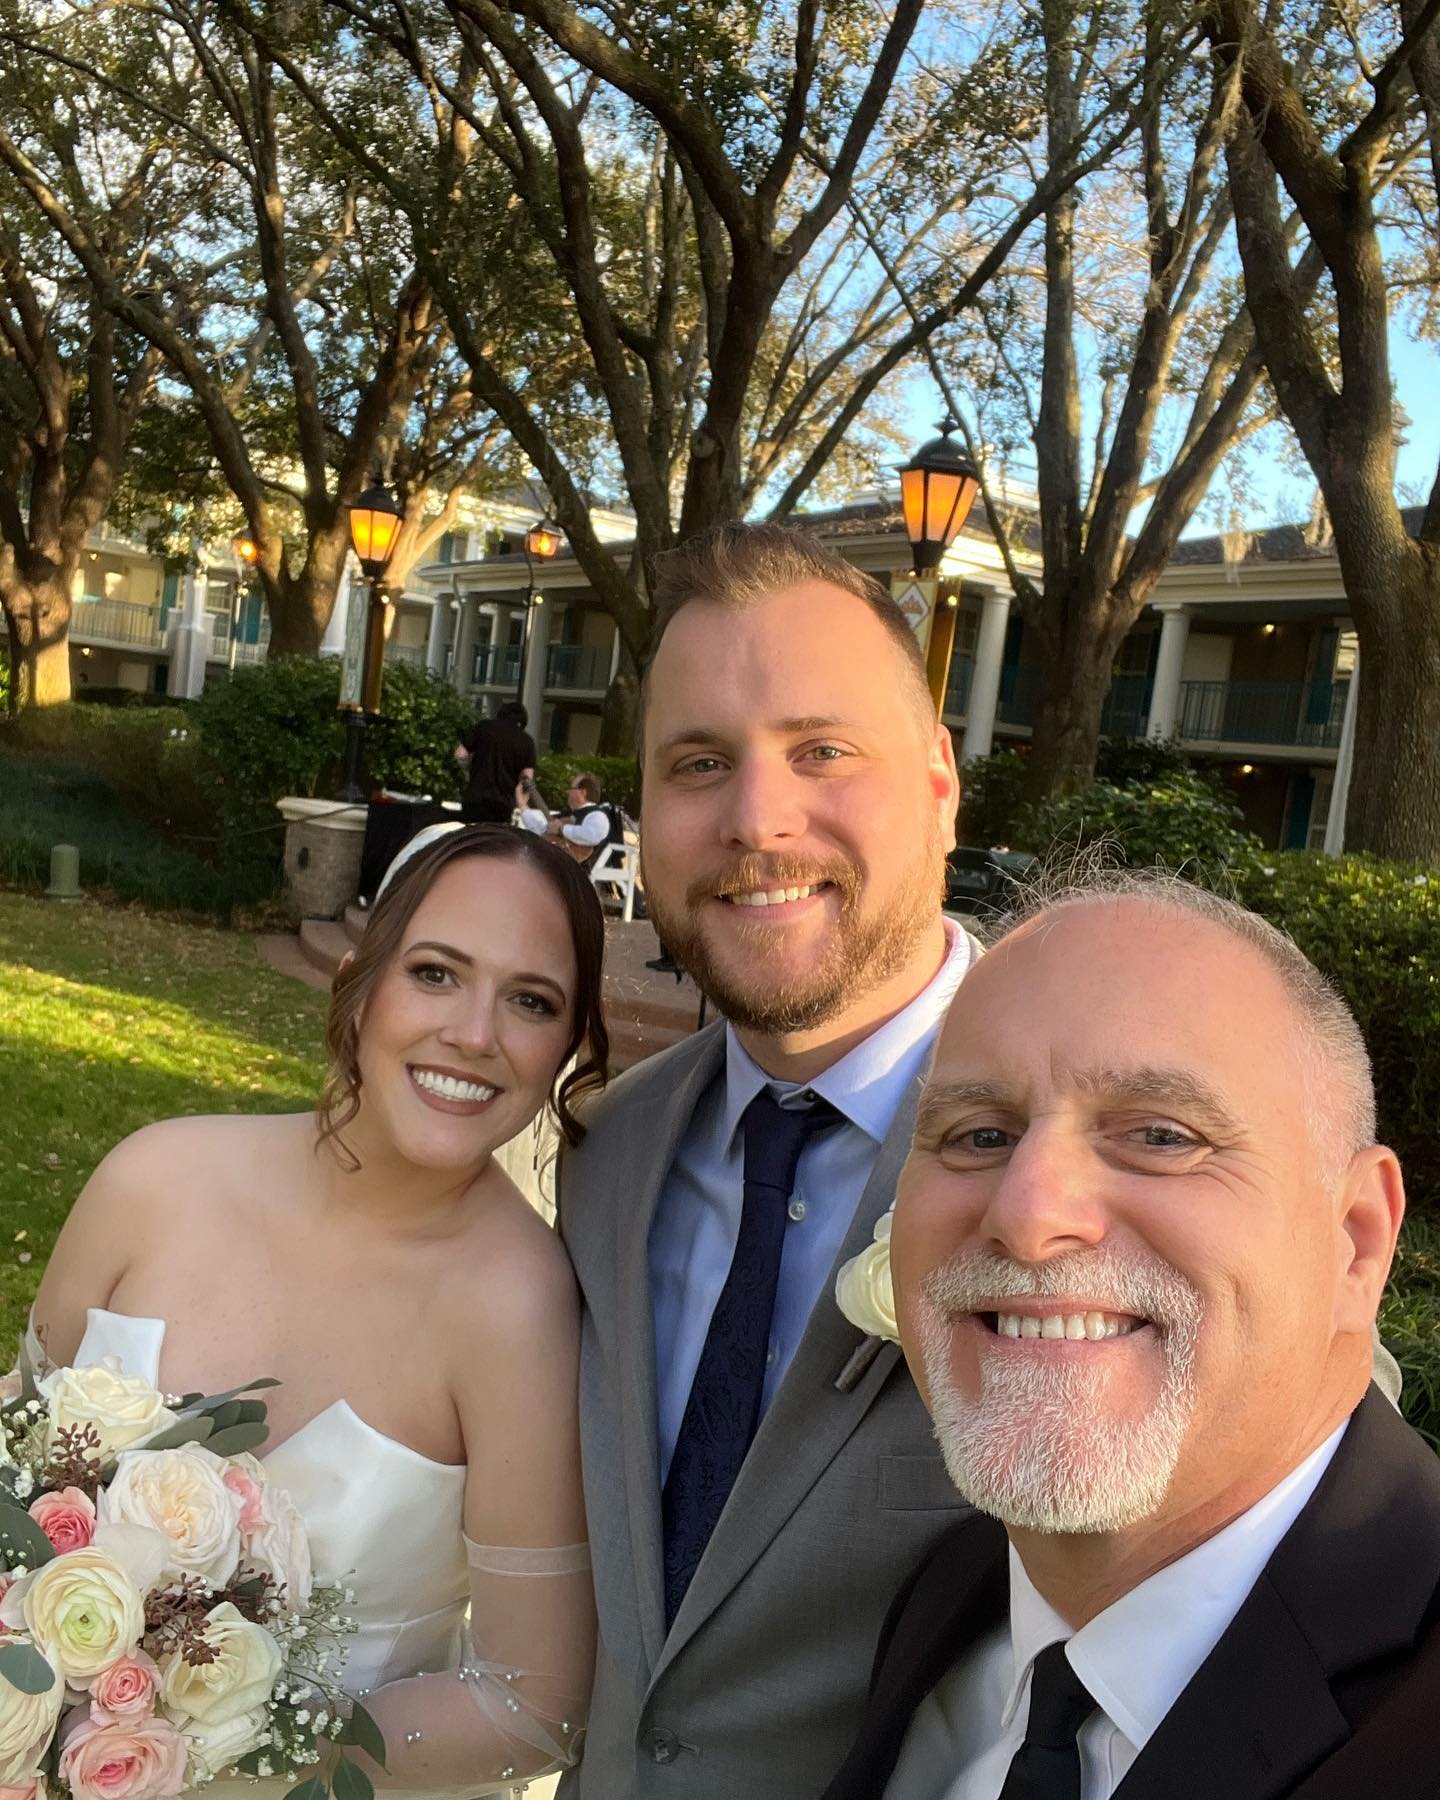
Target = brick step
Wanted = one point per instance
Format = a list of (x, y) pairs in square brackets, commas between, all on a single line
[(323, 943)]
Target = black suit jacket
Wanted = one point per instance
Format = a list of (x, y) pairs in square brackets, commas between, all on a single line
[(1325, 1687)]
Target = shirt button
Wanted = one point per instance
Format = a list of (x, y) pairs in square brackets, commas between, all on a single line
[(772, 1356), (810, 1097), (796, 1210), (663, 1746)]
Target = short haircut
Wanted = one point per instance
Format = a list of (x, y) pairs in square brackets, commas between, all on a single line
[(739, 565), (588, 784), (1330, 1039), (511, 712)]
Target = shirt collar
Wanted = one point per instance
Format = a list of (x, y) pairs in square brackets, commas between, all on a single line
[(1138, 1656), (869, 1082)]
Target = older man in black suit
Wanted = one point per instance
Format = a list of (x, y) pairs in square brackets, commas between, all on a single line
[(1138, 1252)]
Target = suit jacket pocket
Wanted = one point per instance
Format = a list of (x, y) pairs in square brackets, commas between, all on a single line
[(916, 1484)]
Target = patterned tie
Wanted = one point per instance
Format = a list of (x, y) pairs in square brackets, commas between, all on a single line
[(723, 1411), (1047, 1764)]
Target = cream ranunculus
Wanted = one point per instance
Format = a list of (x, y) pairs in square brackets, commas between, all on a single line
[(27, 1723), (124, 1409), (83, 1610), (214, 1747), (180, 1493), (863, 1289), (246, 1667)]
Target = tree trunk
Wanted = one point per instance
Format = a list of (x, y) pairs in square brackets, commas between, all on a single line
[(300, 605), (620, 716), (1073, 686), (38, 618), (1394, 803)]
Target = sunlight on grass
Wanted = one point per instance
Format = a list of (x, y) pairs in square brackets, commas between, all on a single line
[(114, 1018)]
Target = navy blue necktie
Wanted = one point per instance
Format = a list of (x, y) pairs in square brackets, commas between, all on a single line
[(1047, 1764), (723, 1411)]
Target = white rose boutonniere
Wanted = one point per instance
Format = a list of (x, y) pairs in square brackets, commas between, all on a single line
[(865, 1294)]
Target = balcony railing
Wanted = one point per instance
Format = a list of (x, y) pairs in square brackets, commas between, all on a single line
[(245, 651), (583, 668), (1127, 707), (1298, 713), (497, 665), (412, 654), (94, 620)]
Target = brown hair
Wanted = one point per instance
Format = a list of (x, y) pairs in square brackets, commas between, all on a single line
[(589, 785), (737, 565), (393, 911)]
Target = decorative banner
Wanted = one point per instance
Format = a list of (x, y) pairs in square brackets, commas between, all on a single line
[(915, 596), (352, 669)]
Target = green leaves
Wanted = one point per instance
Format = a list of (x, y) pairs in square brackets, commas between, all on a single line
[(22, 1540), (313, 1789), (25, 1668), (362, 1731), (350, 1782)]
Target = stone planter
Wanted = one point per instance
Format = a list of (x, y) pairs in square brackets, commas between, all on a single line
[(323, 841)]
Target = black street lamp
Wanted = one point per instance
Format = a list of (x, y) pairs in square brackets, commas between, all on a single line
[(937, 489), (374, 526), (541, 540)]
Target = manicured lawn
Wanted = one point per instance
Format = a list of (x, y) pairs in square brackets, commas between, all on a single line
[(112, 1018)]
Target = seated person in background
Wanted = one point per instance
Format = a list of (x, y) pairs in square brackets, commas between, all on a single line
[(591, 823), (498, 753), (532, 814), (1138, 1251)]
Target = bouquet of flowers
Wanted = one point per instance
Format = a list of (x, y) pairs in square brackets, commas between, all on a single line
[(160, 1623)]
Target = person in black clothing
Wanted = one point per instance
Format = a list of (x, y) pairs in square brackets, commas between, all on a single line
[(500, 753)]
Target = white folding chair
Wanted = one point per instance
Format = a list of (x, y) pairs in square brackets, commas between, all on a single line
[(619, 865)]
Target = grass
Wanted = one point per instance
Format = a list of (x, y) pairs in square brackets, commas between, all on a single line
[(113, 1018)]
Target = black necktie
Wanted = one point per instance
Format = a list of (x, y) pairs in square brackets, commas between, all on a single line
[(723, 1410), (1047, 1764)]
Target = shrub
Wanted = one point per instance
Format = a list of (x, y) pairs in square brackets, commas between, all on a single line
[(1374, 928), (1410, 1323), (1183, 822), (619, 777), (992, 798)]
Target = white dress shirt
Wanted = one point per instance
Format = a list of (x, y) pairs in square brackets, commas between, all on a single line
[(1136, 1659), (697, 1219)]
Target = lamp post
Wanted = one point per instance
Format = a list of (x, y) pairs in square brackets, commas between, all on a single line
[(937, 489), (541, 540), (246, 554), (374, 526)]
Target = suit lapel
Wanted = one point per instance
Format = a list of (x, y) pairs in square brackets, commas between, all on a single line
[(808, 1421), (654, 1139)]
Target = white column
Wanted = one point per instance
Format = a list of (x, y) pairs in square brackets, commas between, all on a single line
[(190, 634), (333, 642), (1165, 696), (614, 657), (533, 698), (1340, 793), (439, 634), (461, 668), (985, 677)]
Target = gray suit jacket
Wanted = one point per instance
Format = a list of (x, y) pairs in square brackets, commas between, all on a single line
[(758, 1687)]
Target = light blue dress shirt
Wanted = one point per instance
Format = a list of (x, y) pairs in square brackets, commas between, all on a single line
[(697, 1218)]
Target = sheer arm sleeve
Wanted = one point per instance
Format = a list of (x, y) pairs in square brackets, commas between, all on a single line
[(515, 1707)]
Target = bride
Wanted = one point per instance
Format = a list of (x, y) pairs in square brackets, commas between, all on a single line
[(420, 1315)]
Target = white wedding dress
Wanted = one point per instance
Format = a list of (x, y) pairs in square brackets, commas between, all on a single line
[(466, 1707)]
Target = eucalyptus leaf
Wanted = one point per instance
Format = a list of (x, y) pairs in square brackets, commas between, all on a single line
[(183, 1431), (22, 1540), (350, 1782), (236, 1438), (208, 1402), (313, 1789), (362, 1731), (226, 1415), (25, 1668), (26, 1370)]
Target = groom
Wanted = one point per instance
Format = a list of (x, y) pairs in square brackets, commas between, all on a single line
[(755, 1496)]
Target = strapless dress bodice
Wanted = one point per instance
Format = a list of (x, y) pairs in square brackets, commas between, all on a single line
[(380, 1516)]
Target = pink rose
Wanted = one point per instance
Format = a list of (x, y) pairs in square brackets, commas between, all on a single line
[(125, 1691), (67, 1518), (252, 1496), (142, 1759)]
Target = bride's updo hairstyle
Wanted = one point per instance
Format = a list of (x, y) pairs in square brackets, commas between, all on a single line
[(404, 889)]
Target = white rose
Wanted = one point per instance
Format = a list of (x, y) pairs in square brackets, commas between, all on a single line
[(27, 1723), (246, 1667), (280, 1548), (180, 1493), (214, 1747), (124, 1409), (864, 1291)]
